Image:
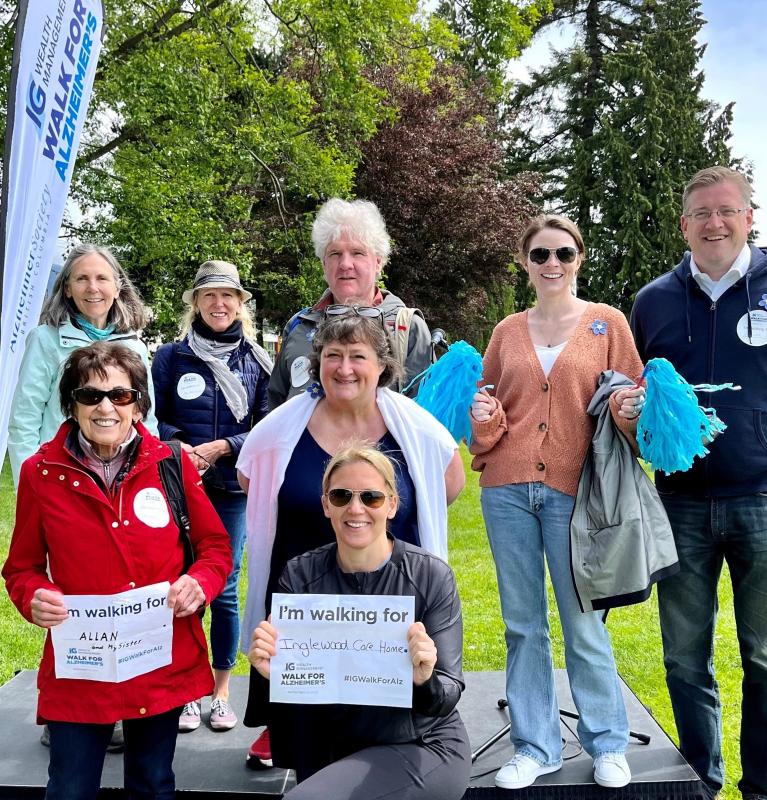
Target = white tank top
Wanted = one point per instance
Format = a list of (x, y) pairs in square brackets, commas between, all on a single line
[(548, 355)]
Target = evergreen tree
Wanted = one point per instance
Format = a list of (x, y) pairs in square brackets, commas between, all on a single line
[(658, 132), (626, 127)]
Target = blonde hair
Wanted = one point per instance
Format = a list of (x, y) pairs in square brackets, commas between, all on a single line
[(243, 315), (713, 175), (361, 452)]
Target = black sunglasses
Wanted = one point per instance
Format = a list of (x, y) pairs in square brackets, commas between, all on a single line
[(118, 396), (371, 498), (565, 255), (341, 310)]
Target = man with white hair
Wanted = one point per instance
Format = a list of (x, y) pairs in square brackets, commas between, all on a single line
[(351, 240)]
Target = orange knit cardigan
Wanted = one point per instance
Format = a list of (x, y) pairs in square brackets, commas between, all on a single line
[(540, 430)]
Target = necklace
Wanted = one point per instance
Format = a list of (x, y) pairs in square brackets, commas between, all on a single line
[(554, 332)]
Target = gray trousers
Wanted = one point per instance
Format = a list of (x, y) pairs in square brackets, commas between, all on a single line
[(435, 769)]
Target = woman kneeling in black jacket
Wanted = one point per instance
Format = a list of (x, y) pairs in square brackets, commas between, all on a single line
[(356, 752)]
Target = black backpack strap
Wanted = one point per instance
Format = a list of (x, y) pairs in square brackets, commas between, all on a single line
[(173, 485)]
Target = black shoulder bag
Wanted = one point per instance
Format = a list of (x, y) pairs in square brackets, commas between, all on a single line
[(173, 485)]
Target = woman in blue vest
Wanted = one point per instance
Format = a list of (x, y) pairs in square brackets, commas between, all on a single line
[(210, 390)]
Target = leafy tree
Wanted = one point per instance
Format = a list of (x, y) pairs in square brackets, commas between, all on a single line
[(658, 133), (436, 173), (216, 126), (491, 33), (226, 128)]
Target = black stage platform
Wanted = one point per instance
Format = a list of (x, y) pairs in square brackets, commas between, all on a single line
[(212, 765)]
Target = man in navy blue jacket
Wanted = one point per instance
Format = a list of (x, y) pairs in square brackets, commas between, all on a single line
[(708, 316)]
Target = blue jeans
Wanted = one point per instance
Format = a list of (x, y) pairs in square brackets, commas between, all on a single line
[(524, 521), (708, 532), (225, 609), (78, 750)]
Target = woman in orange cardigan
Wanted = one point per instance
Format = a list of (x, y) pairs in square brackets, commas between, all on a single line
[(529, 442)]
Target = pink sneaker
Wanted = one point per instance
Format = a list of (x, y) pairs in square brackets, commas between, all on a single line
[(190, 717), (222, 718)]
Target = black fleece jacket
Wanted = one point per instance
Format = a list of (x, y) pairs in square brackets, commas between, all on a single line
[(309, 737)]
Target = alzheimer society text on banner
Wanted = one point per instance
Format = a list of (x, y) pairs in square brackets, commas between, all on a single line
[(54, 60)]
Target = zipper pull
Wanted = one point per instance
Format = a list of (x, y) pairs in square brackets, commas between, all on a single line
[(713, 308)]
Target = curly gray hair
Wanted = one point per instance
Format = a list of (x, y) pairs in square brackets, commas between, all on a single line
[(359, 219)]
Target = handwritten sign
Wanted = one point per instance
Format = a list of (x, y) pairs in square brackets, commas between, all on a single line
[(349, 649), (113, 638)]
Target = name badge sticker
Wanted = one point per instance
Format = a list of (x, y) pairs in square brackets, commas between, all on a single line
[(190, 386), (758, 329), (150, 507), (299, 372)]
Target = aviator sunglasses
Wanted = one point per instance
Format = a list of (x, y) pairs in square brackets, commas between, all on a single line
[(371, 498), (565, 255), (341, 310), (118, 396)]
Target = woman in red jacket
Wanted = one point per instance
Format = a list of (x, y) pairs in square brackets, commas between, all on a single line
[(92, 519)]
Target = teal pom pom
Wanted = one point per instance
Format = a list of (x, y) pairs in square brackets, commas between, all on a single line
[(448, 387), (672, 426)]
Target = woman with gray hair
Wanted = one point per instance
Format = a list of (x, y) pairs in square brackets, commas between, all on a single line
[(92, 300), (351, 241)]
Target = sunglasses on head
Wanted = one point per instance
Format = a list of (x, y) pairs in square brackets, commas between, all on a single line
[(341, 310), (87, 396), (565, 255), (371, 498)]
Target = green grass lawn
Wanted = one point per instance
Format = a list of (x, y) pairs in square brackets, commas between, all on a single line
[(634, 630)]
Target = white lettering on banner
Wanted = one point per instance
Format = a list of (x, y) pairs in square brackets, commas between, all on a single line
[(55, 59)]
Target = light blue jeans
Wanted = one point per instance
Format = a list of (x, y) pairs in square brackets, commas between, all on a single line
[(524, 521)]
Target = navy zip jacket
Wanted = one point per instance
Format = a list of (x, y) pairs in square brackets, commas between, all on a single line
[(192, 408), (714, 342)]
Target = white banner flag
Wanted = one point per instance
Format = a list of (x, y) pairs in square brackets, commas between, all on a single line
[(54, 61)]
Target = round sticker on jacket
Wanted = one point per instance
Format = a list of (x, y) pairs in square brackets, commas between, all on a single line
[(190, 385), (150, 507), (299, 372), (758, 329)]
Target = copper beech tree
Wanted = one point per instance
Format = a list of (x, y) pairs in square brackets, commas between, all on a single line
[(437, 174)]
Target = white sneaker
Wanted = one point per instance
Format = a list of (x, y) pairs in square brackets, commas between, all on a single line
[(190, 717), (521, 771), (611, 770)]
